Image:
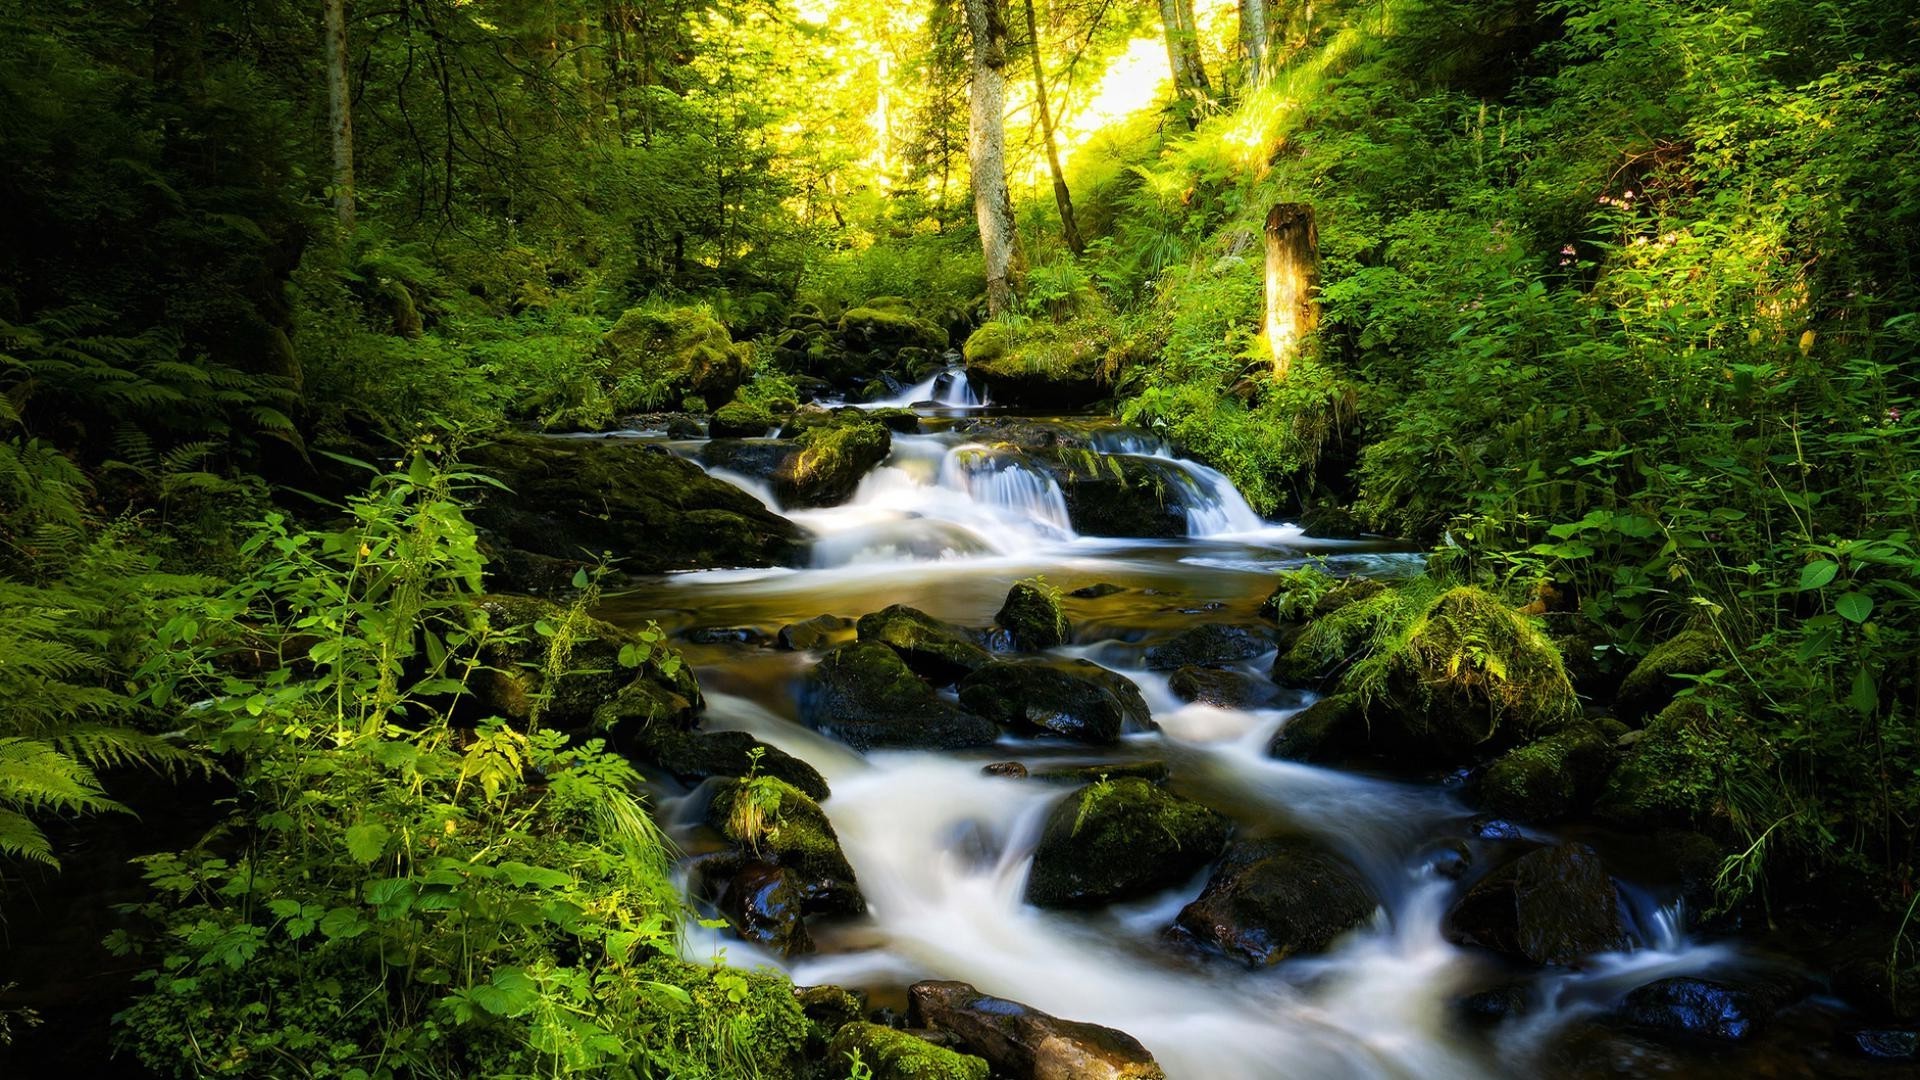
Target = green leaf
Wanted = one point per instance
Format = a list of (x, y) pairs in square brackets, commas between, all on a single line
[(580, 578), (365, 842), (1817, 574), (343, 923), (1865, 696), (1854, 607)]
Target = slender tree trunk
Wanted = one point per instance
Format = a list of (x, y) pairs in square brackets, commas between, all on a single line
[(1293, 282), (1255, 31), (340, 113), (987, 150), (1190, 82), (1062, 197)]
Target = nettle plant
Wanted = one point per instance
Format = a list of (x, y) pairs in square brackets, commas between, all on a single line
[(396, 893)]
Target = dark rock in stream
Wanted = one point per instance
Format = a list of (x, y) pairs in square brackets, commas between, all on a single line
[(1119, 839), (1096, 590), (866, 696), (1221, 689), (1077, 699), (1032, 618), (1554, 905), (1331, 521), (1549, 779), (1271, 899), (1726, 1010), (1882, 1044), (811, 634), (765, 907), (1010, 770), (724, 635), (1209, 645), (1491, 1006), (1153, 772), (1329, 730), (1023, 1043), (935, 650), (793, 835), (692, 756), (685, 427)]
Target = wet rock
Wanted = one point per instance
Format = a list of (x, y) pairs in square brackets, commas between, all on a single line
[(811, 634), (1882, 1044), (1488, 827), (570, 499), (1011, 770), (1119, 839), (1653, 682), (898, 1055), (1077, 699), (1329, 730), (1221, 689), (1699, 1008), (1032, 617), (774, 822), (739, 420), (1550, 906), (1450, 858), (865, 695), (1331, 521), (936, 650), (685, 349), (724, 635), (1035, 371), (1271, 899), (1491, 1006), (1096, 590), (596, 688), (1549, 779), (1022, 1042), (1114, 495), (1153, 772), (692, 756), (829, 462), (898, 421), (765, 908), (828, 1009), (1209, 645), (685, 427)]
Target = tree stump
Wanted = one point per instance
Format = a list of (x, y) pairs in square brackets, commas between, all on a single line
[(1293, 282)]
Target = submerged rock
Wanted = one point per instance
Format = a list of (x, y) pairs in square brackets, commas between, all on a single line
[(866, 696), (1271, 899), (1209, 645), (692, 756), (1032, 617), (1549, 779), (899, 1055), (812, 633), (1022, 1042), (1551, 906), (1118, 839), (1097, 590), (1221, 689), (1077, 699), (936, 650)]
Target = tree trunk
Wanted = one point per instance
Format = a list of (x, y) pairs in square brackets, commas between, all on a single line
[(1062, 197), (340, 113), (1190, 83), (987, 149), (1255, 31), (1293, 282)]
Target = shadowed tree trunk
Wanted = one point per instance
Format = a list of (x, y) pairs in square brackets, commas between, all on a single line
[(1190, 83), (1293, 281), (340, 112), (1062, 197), (987, 149)]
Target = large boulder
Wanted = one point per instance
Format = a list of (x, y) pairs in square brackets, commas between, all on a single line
[(1675, 770), (1725, 1008), (893, 1054), (1118, 839), (593, 686), (1116, 494), (885, 328), (1209, 645), (1654, 681), (1042, 367), (1032, 616), (939, 651), (568, 500), (692, 756), (657, 355), (776, 823), (829, 461), (1332, 729), (1022, 1042), (865, 695), (1554, 905), (1077, 699), (739, 420), (1271, 899), (1221, 689), (1549, 779)]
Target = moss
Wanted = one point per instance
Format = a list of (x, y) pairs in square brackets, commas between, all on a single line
[(740, 1023), (897, 1055), (987, 344), (662, 356), (1655, 679), (887, 330), (797, 836), (1547, 780), (1331, 729), (738, 419), (830, 461), (866, 696), (1697, 765), (940, 651), (1033, 617), (1118, 839)]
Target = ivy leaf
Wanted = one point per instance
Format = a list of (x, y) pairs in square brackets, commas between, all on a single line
[(1854, 607), (1817, 574), (365, 842)]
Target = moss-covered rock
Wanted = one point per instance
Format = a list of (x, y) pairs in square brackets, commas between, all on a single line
[(1044, 366), (937, 650), (1330, 730), (829, 461), (1271, 899), (1331, 521), (768, 1029), (1553, 905), (513, 684), (1675, 771), (899, 1055), (1549, 779), (865, 695), (886, 330), (777, 823), (1654, 681), (1115, 494), (1077, 699), (991, 342), (1221, 689), (1032, 616), (1209, 645), (672, 354), (739, 420), (692, 756), (568, 500), (1119, 839), (812, 633)]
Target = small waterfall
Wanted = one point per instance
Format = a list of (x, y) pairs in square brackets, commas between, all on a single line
[(1003, 483), (949, 389), (1214, 506)]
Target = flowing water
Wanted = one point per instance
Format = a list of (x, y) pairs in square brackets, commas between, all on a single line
[(941, 850)]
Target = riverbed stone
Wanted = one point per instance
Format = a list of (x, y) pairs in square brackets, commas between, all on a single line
[(1032, 617), (1219, 688), (775, 822), (1209, 645), (936, 650), (1703, 1008), (1331, 729), (739, 420), (1024, 1043), (692, 756), (1271, 899), (1549, 779), (1118, 839), (763, 905), (811, 633), (866, 696), (1076, 699), (893, 1054), (1554, 905)]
